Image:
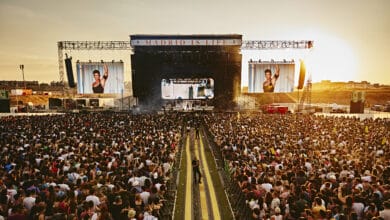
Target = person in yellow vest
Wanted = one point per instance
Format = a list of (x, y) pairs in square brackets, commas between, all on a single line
[(270, 81)]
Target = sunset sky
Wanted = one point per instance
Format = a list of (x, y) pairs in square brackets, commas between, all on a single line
[(352, 37)]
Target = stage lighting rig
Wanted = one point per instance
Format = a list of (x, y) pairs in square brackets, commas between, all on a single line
[(276, 44)]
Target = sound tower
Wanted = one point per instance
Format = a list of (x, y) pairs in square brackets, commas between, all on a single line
[(5, 105), (69, 72), (357, 102), (302, 74), (55, 103)]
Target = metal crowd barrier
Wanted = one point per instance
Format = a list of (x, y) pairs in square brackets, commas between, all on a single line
[(235, 195), (166, 212)]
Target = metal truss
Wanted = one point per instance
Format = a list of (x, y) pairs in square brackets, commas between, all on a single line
[(126, 45), (94, 45), (275, 44)]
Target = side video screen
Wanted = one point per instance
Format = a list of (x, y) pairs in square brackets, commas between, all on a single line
[(99, 78), (275, 77)]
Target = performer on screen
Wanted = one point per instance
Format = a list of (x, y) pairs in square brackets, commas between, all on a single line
[(98, 85), (270, 81)]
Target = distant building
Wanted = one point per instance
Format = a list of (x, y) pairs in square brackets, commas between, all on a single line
[(33, 85), (359, 85)]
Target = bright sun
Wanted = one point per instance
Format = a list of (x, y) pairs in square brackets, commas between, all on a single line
[(331, 59)]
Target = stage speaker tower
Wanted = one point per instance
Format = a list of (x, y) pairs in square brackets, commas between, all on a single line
[(69, 72)]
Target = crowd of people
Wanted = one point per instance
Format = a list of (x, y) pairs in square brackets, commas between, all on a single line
[(116, 166), (306, 166), (86, 166)]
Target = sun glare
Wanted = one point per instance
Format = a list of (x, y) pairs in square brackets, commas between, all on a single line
[(331, 59)]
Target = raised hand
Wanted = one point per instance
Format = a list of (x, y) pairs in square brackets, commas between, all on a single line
[(277, 69), (105, 68)]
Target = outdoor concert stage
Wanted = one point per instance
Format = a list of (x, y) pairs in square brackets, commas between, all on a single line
[(187, 68)]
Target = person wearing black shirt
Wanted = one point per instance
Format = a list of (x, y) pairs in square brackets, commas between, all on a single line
[(99, 83), (197, 133), (196, 171)]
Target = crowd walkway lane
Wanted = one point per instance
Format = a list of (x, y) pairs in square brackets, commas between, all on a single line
[(213, 202), (188, 194), (204, 208)]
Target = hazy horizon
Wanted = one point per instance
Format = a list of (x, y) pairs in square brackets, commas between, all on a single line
[(352, 38)]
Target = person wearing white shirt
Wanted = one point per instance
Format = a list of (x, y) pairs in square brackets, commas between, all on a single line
[(92, 197), (29, 201), (145, 196), (385, 214), (266, 186)]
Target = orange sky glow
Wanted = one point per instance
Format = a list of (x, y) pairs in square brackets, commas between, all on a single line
[(351, 37)]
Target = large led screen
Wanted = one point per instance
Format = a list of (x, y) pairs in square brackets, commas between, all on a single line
[(100, 78), (271, 77), (187, 88)]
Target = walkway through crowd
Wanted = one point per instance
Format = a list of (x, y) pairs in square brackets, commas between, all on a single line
[(201, 200)]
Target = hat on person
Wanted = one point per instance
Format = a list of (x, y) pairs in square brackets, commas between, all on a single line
[(131, 213)]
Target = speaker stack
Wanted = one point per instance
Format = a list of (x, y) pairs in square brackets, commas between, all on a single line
[(4, 101), (69, 72), (357, 102)]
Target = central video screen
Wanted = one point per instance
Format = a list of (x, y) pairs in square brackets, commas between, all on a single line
[(268, 77), (187, 88), (100, 78)]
